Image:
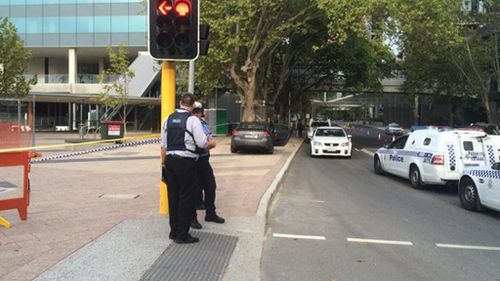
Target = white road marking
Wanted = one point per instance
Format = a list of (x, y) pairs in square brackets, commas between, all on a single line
[(375, 241), (468, 247), (367, 152), (292, 236)]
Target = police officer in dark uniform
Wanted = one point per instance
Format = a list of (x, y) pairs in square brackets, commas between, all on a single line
[(206, 176), (182, 141)]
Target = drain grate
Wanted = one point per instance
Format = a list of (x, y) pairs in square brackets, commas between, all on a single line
[(204, 261)]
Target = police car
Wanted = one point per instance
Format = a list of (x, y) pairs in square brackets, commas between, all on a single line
[(315, 123), (331, 141), (480, 186), (436, 156)]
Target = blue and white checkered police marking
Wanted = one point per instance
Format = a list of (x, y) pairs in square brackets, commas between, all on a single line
[(488, 174), (491, 153), (451, 155), (94, 150)]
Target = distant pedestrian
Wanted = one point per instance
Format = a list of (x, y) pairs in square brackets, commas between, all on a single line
[(300, 128), (181, 140), (206, 176)]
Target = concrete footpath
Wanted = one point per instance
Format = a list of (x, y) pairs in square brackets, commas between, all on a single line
[(95, 217)]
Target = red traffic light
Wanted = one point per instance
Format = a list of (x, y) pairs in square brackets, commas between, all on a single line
[(182, 7), (164, 8)]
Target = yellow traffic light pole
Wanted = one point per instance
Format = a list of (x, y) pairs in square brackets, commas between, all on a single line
[(167, 108)]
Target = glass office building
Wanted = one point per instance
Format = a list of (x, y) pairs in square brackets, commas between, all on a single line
[(69, 40), (77, 23)]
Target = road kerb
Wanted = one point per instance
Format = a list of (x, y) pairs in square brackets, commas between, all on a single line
[(271, 190)]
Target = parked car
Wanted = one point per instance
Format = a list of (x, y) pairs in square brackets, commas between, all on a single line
[(315, 123), (394, 129), (480, 186), (281, 134), (331, 141), (252, 136), (436, 156)]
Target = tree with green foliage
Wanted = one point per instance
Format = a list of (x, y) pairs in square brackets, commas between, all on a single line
[(478, 57), (243, 36), (14, 60), (115, 93), (428, 33)]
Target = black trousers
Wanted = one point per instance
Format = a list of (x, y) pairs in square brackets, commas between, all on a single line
[(182, 180), (207, 185)]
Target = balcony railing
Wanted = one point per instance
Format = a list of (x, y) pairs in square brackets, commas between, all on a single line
[(63, 78)]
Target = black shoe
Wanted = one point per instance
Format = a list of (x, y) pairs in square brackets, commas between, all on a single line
[(171, 236), (195, 224), (188, 240), (215, 218), (200, 206)]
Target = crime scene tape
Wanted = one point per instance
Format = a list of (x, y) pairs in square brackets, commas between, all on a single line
[(134, 141), (94, 150), (76, 144)]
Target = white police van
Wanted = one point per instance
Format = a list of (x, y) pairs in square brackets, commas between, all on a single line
[(436, 156)]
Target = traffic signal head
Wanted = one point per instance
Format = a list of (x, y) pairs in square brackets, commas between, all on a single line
[(173, 29)]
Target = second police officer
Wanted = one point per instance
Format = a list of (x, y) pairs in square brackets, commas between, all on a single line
[(183, 139), (206, 176)]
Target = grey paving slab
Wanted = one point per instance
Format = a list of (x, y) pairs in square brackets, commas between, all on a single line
[(123, 253)]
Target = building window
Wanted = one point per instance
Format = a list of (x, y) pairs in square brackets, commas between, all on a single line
[(51, 25), (137, 24), (20, 24), (102, 24), (67, 25), (34, 25), (85, 24)]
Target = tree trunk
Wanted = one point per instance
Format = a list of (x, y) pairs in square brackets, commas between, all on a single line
[(416, 106), (490, 115), (249, 101), (124, 119)]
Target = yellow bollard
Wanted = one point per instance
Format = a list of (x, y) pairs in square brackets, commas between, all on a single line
[(5, 223), (167, 108)]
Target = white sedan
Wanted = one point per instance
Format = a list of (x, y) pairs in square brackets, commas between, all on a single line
[(480, 186), (331, 141)]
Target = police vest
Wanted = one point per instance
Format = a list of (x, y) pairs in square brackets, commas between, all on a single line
[(176, 130)]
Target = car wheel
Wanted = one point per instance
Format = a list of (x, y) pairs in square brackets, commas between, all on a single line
[(270, 150), (416, 178), (469, 198), (234, 150), (377, 166)]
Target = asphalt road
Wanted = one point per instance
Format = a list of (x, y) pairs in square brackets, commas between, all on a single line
[(334, 202)]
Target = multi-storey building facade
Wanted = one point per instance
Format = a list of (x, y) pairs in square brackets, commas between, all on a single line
[(69, 40)]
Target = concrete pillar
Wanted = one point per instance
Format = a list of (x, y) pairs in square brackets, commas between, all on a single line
[(74, 117), (72, 66), (70, 115)]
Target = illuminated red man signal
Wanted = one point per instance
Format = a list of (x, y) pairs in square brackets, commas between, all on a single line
[(182, 7)]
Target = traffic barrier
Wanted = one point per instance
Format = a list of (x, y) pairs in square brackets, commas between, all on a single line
[(10, 159)]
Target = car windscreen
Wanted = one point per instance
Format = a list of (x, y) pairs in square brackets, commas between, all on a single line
[(252, 127), (394, 126), (319, 124), (330, 133)]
